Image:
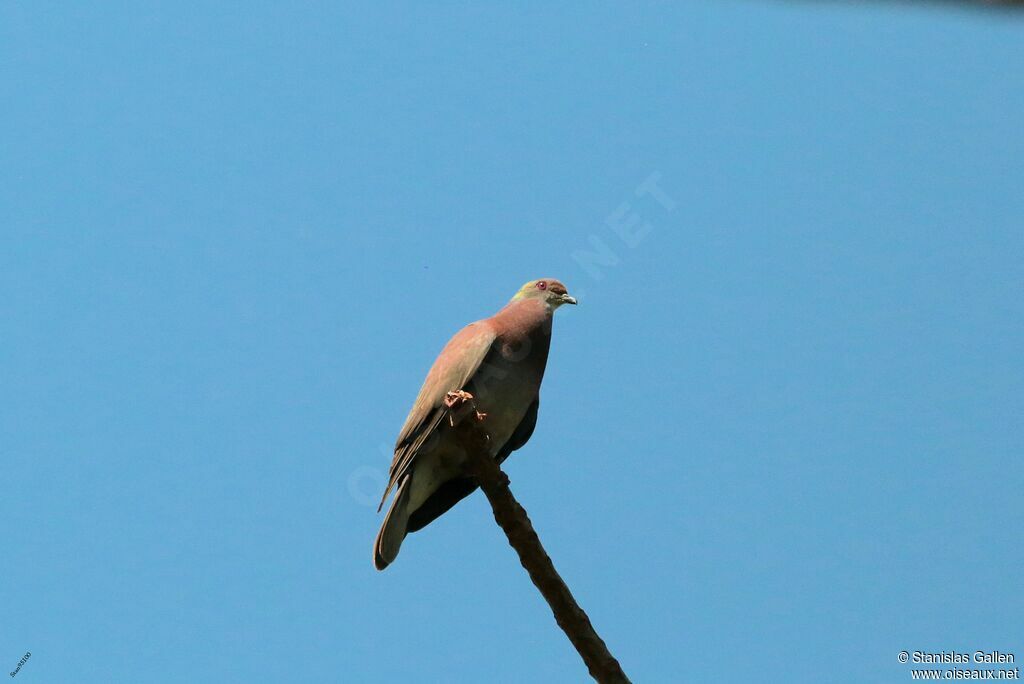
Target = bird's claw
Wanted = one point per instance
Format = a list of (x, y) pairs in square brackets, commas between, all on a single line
[(452, 399), (455, 401)]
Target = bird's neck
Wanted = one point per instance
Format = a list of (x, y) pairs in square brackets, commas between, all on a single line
[(525, 333), (525, 316)]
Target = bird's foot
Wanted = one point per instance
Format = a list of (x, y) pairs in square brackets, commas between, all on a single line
[(460, 403), (457, 398)]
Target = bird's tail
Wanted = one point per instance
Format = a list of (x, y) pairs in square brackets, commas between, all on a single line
[(392, 532)]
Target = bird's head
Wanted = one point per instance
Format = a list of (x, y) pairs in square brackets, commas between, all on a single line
[(547, 290)]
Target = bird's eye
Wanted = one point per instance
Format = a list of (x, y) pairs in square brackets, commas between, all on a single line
[(541, 285)]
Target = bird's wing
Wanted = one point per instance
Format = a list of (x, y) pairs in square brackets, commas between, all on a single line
[(522, 433), (453, 369)]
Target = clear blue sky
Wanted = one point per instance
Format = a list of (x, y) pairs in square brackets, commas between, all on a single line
[(780, 438)]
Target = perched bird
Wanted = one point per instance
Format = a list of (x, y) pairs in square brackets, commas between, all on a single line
[(500, 361)]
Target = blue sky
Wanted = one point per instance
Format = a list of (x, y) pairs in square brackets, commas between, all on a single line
[(780, 438)]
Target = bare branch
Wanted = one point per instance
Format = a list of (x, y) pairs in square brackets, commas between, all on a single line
[(512, 518)]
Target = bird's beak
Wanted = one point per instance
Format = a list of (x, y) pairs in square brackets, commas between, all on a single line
[(566, 299)]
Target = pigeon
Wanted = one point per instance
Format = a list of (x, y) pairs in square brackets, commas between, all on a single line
[(498, 363)]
